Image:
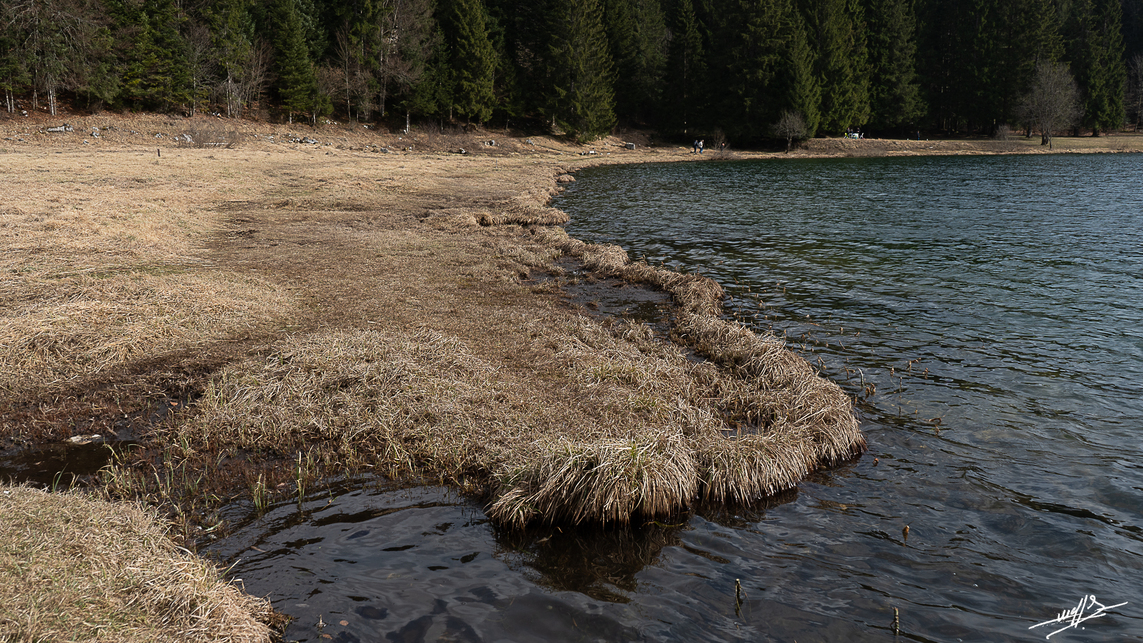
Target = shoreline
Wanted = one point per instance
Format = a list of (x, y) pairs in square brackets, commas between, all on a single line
[(231, 308)]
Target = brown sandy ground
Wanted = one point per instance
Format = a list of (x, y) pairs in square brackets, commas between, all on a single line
[(261, 306)]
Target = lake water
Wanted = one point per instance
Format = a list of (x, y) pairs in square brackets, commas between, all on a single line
[(986, 313)]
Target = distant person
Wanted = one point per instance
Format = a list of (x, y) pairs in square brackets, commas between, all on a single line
[(694, 147), (722, 146), (702, 143)]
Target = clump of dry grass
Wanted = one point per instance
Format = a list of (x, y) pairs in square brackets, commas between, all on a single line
[(76, 568), (474, 381), (632, 427), (529, 207)]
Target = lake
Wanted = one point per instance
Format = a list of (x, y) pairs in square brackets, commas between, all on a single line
[(986, 314)]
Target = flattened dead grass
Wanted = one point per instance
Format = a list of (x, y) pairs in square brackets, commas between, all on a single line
[(59, 329), (103, 263), (73, 568)]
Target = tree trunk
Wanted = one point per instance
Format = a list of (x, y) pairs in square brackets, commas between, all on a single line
[(348, 100)]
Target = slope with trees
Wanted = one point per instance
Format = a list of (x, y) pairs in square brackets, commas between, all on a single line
[(685, 67)]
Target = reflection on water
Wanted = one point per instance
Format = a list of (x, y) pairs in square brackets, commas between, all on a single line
[(986, 314)]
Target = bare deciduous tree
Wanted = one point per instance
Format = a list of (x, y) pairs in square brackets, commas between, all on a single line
[(354, 76), (1053, 102), (256, 72), (58, 38), (1135, 88), (791, 126), (200, 63)]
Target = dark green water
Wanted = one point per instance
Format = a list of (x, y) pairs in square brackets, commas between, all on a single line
[(987, 313)]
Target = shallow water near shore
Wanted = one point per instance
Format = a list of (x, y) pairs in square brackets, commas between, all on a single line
[(985, 312)]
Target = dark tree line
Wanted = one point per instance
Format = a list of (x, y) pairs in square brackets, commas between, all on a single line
[(686, 67)]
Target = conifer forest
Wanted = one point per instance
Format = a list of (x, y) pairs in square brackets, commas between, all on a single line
[(712, 68)]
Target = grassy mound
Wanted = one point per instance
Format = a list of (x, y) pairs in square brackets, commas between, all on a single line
[(79, 569), (606, 424)]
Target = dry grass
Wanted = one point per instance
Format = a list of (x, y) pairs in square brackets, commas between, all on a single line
[(59, 329), (103, 263), (428, 356), (636, 429), (78, 569), (361, 310)]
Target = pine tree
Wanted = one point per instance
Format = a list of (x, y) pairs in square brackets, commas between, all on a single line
[(894, 92), (473, 60)]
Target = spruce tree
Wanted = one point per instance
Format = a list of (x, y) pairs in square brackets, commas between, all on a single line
[(232, 31), (951, 61), (297, 82), (584, 95), (802, 91), (472, 58), (1103, 74), (684, 85), (637, 38), (837, 32), (401, 45), (153, 64), (14, 76), (757, 83), (894, 91), (525, 28), (431, 94), (1132, 28), (60, 43)]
